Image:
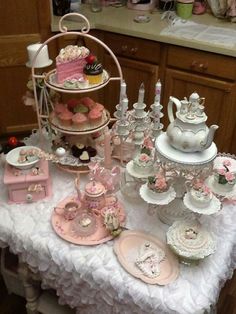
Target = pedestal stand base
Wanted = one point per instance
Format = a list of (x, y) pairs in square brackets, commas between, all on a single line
[(174, 211)]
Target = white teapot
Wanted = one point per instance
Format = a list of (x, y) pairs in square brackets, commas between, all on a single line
[(188, 132)]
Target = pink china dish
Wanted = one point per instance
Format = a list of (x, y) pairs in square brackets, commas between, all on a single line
[(146, 257), (87, 228)]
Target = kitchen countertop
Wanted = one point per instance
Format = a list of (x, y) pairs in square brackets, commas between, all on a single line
[(120, 20)]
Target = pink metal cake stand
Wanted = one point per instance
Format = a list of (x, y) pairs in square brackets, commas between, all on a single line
[(71, 231)]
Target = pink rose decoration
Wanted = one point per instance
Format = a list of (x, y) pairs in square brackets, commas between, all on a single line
[(227, 163), (144, 157), (148, 143), (221, 171), (229, 176), (161, 184)]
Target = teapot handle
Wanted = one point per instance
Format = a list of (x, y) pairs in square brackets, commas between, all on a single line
[(173, 100)]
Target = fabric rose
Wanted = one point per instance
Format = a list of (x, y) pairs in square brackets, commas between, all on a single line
[(161, 184), (229, 176), (144, 157), (221, 171), (227, 163)]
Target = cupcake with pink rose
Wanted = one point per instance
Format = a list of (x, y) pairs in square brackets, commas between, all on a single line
[(59, 108), (224, 174), (98, 107), (88, 102), (143, 163), (159, 185), (200, 194), (95, 117), (79, 120), (65, 118)]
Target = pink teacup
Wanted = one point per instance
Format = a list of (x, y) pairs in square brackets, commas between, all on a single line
[(69, 211), (112, 200)]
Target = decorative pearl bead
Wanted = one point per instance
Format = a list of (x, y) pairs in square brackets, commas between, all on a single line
[(60, 151)]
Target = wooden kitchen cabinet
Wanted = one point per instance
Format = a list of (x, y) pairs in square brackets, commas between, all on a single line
[(22, 23), (135, 73), (139, 64), (211, 76)]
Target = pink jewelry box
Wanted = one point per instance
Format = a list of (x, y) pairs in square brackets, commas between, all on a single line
[(29, 185)]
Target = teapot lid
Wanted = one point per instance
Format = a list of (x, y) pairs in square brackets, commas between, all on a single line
[(94, 188), (194, 97)]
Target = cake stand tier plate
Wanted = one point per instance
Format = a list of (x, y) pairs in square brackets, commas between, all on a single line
[(164, 148), (128, 248), (156, 198), (87, 129), (51, 81), (67, 229), (174, 211), (131, 171), (212, 208)]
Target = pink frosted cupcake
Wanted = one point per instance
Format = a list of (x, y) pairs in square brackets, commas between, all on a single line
[(65, 118), (88, 102), (59, 108), (95, 116), (98, 107), (79, 120)]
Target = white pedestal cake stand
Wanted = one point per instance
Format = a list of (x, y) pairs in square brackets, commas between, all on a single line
[(187, 166)]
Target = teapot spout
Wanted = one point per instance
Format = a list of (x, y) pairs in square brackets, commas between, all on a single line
[(210, 136)]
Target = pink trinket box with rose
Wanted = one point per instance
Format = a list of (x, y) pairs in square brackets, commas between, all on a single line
[(28, 185)]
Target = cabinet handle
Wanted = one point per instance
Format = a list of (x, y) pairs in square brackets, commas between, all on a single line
[(193, 64), (133, 51), (124, 48), (203, 66)]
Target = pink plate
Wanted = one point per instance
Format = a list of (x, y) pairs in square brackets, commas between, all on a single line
[(128, 247), (66, 229)]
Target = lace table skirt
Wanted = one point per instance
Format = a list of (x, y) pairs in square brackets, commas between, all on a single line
[(91, 280)]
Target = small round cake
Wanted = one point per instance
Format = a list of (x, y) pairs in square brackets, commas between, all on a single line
[(95, 116), (88, 102), (98, 107), (93, 73), (59, 108), (158, 186), (200, 198), (65, 118), (224, 174), (79, 120), (143, 164)]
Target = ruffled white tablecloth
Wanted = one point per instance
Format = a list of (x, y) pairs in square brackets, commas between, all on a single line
[(91, 279)]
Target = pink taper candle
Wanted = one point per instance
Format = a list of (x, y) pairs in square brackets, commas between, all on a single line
[(158, 91), (107, 149)]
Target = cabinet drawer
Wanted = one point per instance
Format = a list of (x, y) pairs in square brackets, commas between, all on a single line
[(139, 49), (202, 62)]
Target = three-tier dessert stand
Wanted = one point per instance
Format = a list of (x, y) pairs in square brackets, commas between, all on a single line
[(44, 105)]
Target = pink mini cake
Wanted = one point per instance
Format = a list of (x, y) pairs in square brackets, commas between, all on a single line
[(98, 107), (65, 118), (70, 62), (95, 116), (88, 102), (79, 120), (59, 108)]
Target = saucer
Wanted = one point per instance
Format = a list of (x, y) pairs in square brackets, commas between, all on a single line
[(156, 198), (131, 171), (213, 207)]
